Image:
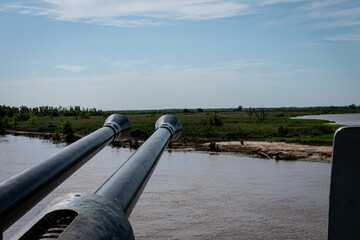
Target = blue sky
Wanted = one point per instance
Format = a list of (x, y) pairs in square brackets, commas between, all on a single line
[(156, 54)]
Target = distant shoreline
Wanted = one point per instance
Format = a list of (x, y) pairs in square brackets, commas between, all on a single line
[(259, 149)]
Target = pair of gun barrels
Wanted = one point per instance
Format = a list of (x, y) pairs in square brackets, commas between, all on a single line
[(102, 215)]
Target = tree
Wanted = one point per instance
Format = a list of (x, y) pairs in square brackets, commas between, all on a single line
[(352, 106), (261, 114), (250, 111), (4, 123)]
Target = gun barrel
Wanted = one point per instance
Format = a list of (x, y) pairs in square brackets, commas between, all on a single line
[(24, 190), (129, 181), (104, 215)]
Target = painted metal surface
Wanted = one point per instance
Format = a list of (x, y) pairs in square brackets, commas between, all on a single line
[(103, 215), (344, 210), (129, 181), (21, 192), (97, 219)]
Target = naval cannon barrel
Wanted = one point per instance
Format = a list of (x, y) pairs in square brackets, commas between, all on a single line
[(104, 214), (18, 194), (128, 182)]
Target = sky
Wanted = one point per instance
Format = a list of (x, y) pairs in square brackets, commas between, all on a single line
[(160, 54)]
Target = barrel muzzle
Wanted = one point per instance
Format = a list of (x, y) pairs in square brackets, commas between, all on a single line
[(171, 123), (119, 124)]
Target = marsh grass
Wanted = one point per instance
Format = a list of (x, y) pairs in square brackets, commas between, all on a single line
[(235, 125)]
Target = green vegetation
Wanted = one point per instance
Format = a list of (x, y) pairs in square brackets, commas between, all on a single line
[(66, 129), (199, 125), (215, 120), (33, 119), (289, 157)]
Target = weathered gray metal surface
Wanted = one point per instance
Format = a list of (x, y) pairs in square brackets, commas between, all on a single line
[(21, 192), (344, 210), (129, 181), (103, 215), (98, 219), (172, 124)]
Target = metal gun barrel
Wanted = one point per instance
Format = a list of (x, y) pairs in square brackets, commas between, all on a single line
[(18, 194), (129, 181), (104, 215)]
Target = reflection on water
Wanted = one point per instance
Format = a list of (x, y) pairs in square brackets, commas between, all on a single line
[(200, 196)]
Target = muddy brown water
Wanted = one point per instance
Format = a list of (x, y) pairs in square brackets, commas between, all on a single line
[(198, 195)]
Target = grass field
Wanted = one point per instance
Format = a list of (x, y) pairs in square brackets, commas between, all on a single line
[(277, 125)]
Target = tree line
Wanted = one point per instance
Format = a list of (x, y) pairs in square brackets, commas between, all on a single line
[(24, 113), (10, 114)]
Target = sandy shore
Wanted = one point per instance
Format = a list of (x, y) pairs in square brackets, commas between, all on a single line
[(276, 150)]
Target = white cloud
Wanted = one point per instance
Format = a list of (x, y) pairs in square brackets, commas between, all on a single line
[(330, 14), (145, 12), (272, 2), (70, 68), (129, 13), (345, 37), (318, 14), (134, 13), (249, 63), (351, 13), (237, 72), (314, 5)]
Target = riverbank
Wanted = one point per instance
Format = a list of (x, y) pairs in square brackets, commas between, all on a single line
[(261, 149), (278, 150), (264, 149), (267, 133)]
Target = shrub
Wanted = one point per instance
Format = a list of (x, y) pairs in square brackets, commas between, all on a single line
[(215, 120), (282, 131), (203, 121), (289, 157), (322, 129), (105, 114), (22, 116), (4, 123), (56, 135), (67, 129), (260, 114), (33, 119), (84, 115)]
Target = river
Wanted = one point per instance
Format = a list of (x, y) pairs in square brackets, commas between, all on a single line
[(195, 195), (348, 119)]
